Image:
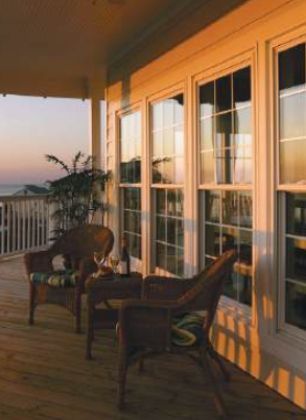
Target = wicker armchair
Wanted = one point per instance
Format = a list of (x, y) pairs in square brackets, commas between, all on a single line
[(77, 246), (146, 325)]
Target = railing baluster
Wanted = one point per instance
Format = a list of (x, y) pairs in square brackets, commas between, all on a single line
[(24, 223)]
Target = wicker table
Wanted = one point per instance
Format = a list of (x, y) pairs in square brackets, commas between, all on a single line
[(101, 290)]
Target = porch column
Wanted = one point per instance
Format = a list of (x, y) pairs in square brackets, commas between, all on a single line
[(96, 130)]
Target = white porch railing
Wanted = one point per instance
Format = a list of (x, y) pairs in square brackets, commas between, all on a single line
[(24, 223)]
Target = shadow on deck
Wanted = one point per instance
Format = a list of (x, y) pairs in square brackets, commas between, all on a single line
[(44, 374)]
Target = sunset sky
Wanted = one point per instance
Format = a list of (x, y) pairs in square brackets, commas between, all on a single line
[(32, 127)]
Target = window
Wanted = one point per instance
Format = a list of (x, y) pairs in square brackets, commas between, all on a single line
[(130, 179), (167, 134), (292, 173), (225, 145)]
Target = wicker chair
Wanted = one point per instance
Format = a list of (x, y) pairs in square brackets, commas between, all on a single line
[(77, 246), (145, 325)]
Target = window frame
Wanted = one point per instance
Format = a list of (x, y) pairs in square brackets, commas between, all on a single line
[(290, 331), (167, 93), (247, 314), (122, 185)]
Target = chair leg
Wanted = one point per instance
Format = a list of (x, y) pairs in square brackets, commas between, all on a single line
[(122, 382), (32, 303), (89, 332), (218, 395), (214, 355), (78, 310), (141, 365)]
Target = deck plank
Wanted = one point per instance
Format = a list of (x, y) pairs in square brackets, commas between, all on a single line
[(44, 374)]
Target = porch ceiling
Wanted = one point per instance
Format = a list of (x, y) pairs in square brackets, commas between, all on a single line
[(53, 48)]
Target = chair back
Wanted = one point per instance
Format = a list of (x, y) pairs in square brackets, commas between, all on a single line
[(205, 295), (82, 241)]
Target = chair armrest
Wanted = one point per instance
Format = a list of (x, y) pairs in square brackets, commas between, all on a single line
[(40, 261), (166, 288), (146, 323)]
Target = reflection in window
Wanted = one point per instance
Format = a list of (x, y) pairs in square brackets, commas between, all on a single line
[(295, 282), (169, 236), (292, 109), (130, 173), (226, 129), (168, 141), (167, 134), (227, 224), (131, 223), (130, 148)]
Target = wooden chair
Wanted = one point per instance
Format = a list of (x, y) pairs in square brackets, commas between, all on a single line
[(66, 287), (145, 325)]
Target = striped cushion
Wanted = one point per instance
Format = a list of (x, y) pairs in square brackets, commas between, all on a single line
[(187, 330), (60, 278)]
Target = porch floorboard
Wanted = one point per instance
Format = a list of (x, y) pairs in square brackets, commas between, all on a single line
[(44, 375)]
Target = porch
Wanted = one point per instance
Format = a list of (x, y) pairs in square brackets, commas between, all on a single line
[(44, 373)]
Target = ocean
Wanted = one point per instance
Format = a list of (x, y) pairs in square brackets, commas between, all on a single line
[(9, 189)]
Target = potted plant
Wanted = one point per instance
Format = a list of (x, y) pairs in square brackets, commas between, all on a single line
[(77, 195)]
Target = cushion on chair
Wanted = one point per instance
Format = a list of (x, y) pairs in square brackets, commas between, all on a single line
[(60, 278), (187, 330)]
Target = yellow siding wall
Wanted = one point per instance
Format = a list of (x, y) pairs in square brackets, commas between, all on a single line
[(248, 33)]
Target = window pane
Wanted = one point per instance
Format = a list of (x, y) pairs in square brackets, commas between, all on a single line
[(168, 141), (179, 109), (243, 165), (130, 148), (212, 206), (179, 141), (179, 170), (292, 162), (224, 166), (296, 259), (207, 168), (292, 116), (212, 240), (207, 133), (233, 230), (158, 144), (131, 219), (243, 127), (242, 87), (169, 229), (296, 305), (292, 68), (223, 93), (224, 132), (207, 99), (295, 273), (229, 238), (245, 209), (296, 214), (160, 201)]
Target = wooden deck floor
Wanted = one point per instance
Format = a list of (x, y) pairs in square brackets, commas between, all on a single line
[(43, 373)]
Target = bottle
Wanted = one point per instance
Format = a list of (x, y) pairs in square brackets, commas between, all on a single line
[(124, 263)]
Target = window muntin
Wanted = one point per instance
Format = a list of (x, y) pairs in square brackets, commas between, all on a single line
[(167, 139), (226, 143), (130, 148), (292, 172), (225, 129), (130, 174)]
